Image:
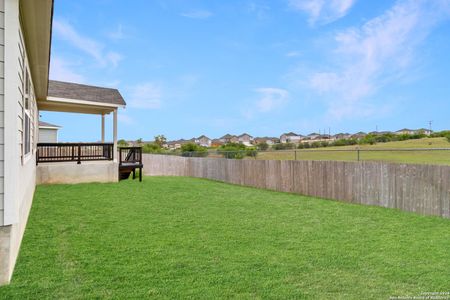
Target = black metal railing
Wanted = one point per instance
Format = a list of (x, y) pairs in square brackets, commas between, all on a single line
[(66, 152), (131, 155)]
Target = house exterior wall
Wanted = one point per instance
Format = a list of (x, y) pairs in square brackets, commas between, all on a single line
[(47, 135), (19, 161), (2, 108), (290, 139)]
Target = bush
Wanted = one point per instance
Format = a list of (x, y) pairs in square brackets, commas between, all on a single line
[(285, 146), (152, 148), (122, 143), (324, 144), (251, 152), (262, 146), (448, 138), (193, 150), (236, 151)]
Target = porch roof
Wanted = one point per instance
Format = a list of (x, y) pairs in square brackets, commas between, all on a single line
[(81, 98)]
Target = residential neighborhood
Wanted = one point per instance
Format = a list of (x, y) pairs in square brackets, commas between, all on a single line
[(288, 137)]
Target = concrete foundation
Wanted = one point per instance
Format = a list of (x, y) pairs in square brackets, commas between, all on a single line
[(69, 172)]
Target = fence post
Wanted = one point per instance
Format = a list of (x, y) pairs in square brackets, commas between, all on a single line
[(358, 150), (295, 156)]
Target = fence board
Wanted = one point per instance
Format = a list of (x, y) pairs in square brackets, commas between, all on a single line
[(423, 189)]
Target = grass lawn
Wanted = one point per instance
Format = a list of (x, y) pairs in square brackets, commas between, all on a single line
[(419, 157), (182, 237)]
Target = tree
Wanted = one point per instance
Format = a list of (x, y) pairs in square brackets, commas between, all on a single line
[(160, 140), (152, 148), (233, 150), (122, 143), (139, 141), (193, 150)]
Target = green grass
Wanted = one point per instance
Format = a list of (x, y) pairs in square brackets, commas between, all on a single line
[(183, 237), (418, 157)]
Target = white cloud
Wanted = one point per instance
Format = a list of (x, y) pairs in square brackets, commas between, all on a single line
[(380, 52), (293, 54), (114, 58), (87, 45), (125, 119), (145, 96), (197, 14), (269, 99), (260, 10), (117, 34), (61, 69), (323, 11)]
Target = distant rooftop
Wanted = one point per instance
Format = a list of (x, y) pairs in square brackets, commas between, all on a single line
[(45, 124)]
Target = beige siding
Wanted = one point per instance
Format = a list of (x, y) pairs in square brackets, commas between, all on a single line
[(2, 105), (48, 135)]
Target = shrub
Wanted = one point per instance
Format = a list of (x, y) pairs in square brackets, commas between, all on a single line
[(285, 146), (193, 150), (152, 148), (251, 152), (236, 151), (122, 143), (262, 146)]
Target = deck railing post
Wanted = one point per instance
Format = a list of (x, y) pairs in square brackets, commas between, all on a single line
[(79, 154)]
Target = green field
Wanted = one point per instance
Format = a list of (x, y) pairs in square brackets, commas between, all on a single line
[(176, 238), (419, 157)]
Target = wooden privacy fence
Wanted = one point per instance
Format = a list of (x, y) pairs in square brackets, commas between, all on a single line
[(423, 189)]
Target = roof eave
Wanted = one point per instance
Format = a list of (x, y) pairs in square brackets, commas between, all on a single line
[(37, 19)]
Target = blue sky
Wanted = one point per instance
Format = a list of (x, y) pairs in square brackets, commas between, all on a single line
[(212, 67)]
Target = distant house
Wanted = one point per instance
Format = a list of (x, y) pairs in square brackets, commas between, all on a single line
[(424, 131), (405, 131), (380, 132), (203, 141), (313, 136), (173, 145), (341, 136), (414, 131), (291, 137), (216, 143), (48, 133), (322, 138), (245, 139), (358, 135), (268, 140), (228, 138)]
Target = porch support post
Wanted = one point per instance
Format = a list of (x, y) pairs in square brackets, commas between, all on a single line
[(115, 134), (103, 128)]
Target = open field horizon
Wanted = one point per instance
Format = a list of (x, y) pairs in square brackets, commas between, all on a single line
[(413, 157)]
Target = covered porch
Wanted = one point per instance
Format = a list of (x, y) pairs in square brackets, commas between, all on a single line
[(81, 161)]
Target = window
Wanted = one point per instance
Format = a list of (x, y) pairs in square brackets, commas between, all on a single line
[(27, 114)]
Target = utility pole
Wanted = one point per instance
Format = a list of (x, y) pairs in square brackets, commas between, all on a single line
[(430, 123)]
